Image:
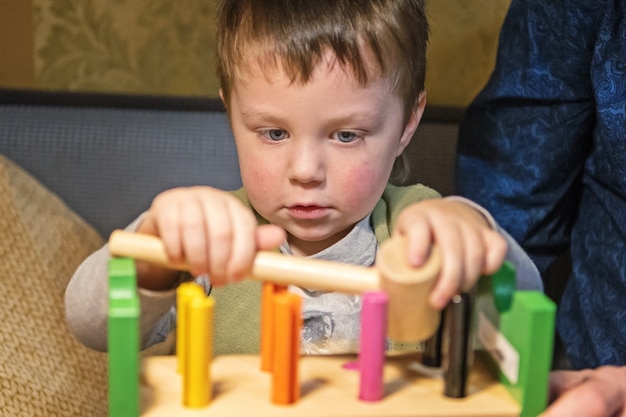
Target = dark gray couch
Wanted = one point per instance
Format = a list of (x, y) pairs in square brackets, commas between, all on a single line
[(107, 156)]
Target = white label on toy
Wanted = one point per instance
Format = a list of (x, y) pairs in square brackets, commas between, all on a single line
[(499, 348)]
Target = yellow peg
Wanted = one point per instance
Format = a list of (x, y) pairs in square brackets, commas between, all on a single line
[(184, 293), (199, 350)]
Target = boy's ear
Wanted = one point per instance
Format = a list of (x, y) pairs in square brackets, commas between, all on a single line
[(221, 92), (413, 122)]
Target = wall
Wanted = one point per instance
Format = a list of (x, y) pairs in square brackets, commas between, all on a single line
[(16, 43), (165, 47), (462, 51)]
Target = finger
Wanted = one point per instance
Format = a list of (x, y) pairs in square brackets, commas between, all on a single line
[(450, 276), (243, 249), (473, 258), (419, 239), (224, 226), (148, 225), (563, 381), (193, 231), (269, 236), (496, 248), (167, 222), (594, 396)]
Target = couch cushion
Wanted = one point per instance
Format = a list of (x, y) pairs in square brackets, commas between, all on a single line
[(43, 369)]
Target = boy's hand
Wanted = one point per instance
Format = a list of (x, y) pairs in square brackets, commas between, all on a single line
[(469, 246), (210, 230)]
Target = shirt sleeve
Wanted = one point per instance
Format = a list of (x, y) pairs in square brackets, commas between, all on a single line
[(524, 140), (86, 304)]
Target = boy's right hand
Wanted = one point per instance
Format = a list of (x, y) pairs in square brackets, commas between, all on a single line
[(210, 230)]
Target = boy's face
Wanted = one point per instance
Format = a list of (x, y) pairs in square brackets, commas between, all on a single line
[(315, 157)]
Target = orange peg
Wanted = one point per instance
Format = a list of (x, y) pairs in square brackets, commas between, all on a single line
[(288, 322), (267, 323)]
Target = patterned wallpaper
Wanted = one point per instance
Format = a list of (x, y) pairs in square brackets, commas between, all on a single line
[(165, 46), (140, 46), (462, 50)]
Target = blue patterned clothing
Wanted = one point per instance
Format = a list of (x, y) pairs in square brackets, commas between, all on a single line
[(543, 148)]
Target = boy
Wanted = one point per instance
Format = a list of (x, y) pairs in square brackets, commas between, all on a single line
[(323, 96)]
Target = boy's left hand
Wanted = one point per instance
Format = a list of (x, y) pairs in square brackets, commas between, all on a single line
[(468, 244)]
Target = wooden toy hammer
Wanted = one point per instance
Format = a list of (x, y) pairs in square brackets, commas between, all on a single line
[(410, 317)]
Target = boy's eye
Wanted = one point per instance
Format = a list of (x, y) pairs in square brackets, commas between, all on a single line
[(346, 136), (275, 134)]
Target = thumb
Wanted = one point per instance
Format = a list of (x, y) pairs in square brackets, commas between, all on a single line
[(269, 236)]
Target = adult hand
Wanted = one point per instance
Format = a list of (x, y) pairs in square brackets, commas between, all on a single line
[(597, 392)]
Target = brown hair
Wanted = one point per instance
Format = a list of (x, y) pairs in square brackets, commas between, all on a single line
[(296, 33)]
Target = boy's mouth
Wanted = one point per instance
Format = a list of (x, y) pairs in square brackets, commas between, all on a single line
[(307, 212)]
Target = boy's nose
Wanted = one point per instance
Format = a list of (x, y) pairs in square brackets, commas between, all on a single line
[(306, 163)]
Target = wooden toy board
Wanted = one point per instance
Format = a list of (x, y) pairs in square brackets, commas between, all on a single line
[(241, 389)]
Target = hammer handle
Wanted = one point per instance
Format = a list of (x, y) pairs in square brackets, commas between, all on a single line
[(268, 266)]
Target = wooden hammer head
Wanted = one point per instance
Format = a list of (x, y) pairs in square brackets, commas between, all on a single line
[(410, 316)]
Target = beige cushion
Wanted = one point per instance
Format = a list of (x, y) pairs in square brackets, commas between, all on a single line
[(44, 371)]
